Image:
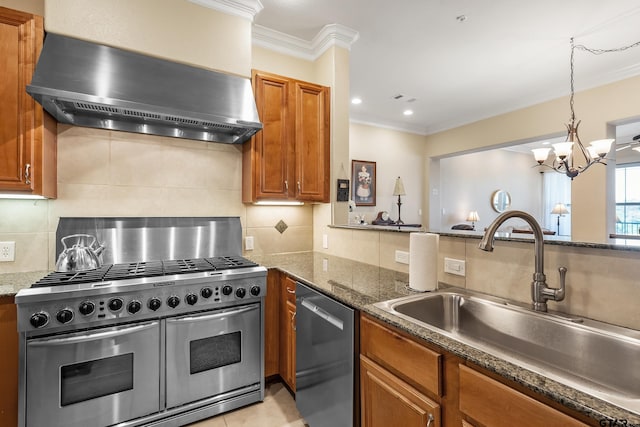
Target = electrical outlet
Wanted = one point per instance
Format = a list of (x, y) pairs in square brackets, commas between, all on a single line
[(7, 251), (454, 266), (325, 241), (402, 257), (248, 243)]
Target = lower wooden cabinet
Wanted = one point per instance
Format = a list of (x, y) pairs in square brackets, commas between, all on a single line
[(493, 404), (8, 362), (387, 401), (288, 331), (272, 325)]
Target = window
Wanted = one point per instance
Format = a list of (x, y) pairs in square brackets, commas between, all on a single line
[(628, 199), (556, 188)]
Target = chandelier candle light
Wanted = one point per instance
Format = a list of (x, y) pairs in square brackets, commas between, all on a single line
[(563, 161), (398, 190)]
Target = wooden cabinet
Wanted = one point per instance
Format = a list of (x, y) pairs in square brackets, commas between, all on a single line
[(288, 332), (404, 379), (8, 362), (493, 404), (272, 325), (289, 158), (386, 400), (27, 133)]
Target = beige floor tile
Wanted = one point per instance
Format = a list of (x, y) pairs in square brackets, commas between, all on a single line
[(277, 410)]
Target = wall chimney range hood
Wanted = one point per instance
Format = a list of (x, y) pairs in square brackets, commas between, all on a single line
[(87, 84)]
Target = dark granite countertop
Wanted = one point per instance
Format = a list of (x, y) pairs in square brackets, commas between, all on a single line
[(361, 285)]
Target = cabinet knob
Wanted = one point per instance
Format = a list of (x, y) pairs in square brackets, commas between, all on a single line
[(27, 173), (293, 320)]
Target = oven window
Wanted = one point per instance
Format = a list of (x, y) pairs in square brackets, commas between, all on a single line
[(214, 352), (96, 378)]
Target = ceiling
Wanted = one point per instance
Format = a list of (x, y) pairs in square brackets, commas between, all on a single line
[(504, 55)]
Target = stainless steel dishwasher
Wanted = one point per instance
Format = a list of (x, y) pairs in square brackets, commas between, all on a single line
[(324, 359)]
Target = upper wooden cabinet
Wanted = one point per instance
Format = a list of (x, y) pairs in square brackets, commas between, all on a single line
[(289, 158), (27, 134)]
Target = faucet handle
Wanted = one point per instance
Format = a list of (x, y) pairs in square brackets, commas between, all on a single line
[(553, 293)]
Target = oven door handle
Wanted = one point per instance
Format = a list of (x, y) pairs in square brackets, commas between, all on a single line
[(214, 315), (119, 331), (323, 314)]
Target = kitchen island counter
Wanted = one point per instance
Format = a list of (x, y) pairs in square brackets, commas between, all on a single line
[(361, 285)]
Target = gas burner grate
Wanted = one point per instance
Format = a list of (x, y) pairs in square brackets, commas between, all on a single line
[(230, 262), (72, 277), (134, 269), (144, 269), (180, 266)]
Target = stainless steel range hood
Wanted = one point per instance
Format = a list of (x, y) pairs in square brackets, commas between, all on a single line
[(92, 85)]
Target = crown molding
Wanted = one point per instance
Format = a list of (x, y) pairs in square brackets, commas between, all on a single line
[(246, 9), (330, 35)]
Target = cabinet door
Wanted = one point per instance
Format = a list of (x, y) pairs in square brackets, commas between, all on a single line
[(388, 401), (312, 141), (8, 362), (27, 135), (288, 332), (268, 157), (272, 324)]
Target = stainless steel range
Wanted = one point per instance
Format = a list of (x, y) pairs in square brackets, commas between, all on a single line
[(167, 331)]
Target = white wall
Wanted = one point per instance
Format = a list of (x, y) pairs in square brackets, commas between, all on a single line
[(468, 181), (396, 154)]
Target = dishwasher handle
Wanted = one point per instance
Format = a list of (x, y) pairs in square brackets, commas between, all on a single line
[(322, 313)]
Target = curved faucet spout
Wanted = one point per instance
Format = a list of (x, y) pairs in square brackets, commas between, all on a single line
[(540, 292)]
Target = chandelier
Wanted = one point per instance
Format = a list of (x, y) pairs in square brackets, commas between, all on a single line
[(563, 159)]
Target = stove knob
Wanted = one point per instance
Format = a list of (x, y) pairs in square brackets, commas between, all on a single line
[(154, 304), (115, 304), (226, 290), (255, 290), (64, 316), (86, 308), (38, 320), (173, 301), (134, 307), (206, 292), (241, 292), (191, 299)]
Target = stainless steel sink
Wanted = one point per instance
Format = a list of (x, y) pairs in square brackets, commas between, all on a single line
[(597, 358)]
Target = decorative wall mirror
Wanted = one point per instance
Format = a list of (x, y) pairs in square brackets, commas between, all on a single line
[(500, 200)]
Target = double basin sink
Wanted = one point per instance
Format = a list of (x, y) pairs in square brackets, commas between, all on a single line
[(596, 358)]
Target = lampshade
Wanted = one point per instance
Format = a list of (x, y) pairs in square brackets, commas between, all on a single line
[(563, 149), (541, 154), (473, 216), (601, 147), (559, 209), (398, 190)]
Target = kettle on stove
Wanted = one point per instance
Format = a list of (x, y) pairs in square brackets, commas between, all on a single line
[(81, 252)]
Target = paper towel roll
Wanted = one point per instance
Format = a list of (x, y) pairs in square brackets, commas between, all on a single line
[(423, 261)]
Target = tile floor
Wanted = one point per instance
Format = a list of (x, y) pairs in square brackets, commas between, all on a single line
[(277, 410)]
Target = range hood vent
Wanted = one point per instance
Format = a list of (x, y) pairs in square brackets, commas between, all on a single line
[(92, 85)]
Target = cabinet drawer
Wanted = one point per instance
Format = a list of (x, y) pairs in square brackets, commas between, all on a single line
[(388, 401), (494, 404), (415, 364)]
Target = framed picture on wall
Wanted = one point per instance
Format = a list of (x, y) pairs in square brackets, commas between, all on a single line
[(363, 177)]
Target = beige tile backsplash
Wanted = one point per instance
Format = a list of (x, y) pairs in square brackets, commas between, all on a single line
[(109, 173)]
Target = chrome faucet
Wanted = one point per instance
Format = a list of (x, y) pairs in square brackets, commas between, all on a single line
[(540, 292)]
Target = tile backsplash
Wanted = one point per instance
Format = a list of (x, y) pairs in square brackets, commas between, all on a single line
[(110, 173)]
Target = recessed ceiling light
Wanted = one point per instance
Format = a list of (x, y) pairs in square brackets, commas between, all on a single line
[(356, 101), (408, 112)]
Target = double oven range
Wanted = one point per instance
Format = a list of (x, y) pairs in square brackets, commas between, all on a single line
[(166, 332)]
